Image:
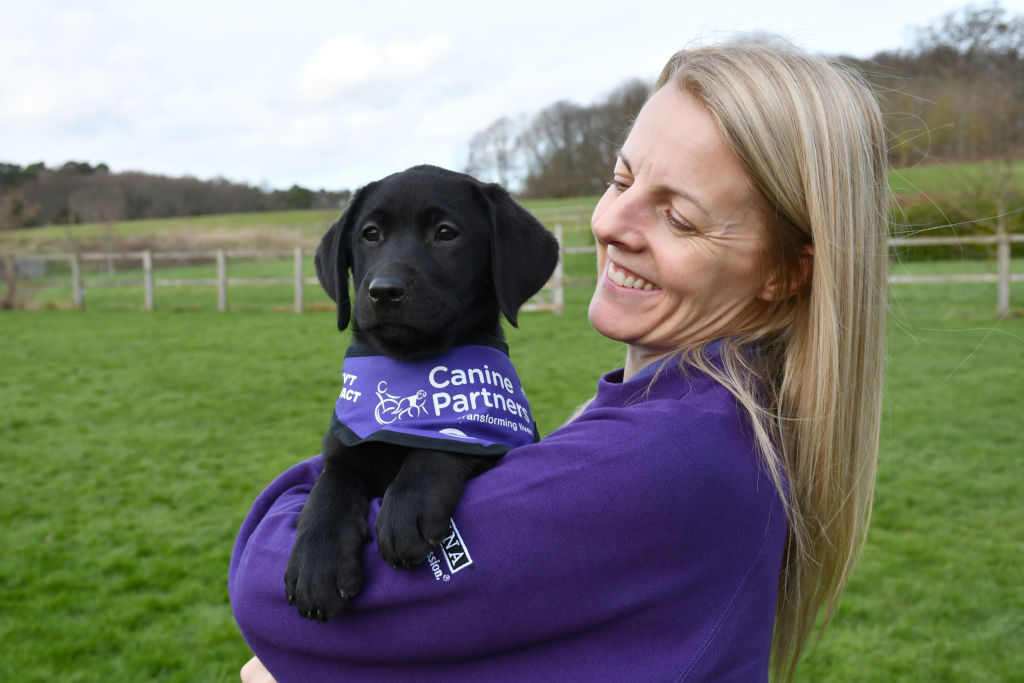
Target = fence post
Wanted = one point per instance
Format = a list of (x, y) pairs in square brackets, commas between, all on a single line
[(77, 286), (147, 276), (558, 295), (1003, 258), (299, 293), (222, 281), (10, 278)]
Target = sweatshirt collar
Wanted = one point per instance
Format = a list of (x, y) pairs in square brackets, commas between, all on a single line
[(645, 374)]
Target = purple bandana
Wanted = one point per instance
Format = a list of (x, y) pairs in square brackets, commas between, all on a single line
[(468, 400)]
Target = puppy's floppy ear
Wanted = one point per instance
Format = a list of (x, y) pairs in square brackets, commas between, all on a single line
[(523, 252), (331, 262), (333, 257)]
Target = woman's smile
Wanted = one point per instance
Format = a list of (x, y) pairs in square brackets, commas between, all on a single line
[(628, 279)]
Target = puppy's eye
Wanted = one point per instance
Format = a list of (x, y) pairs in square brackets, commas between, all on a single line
[(371, 233), (445, 233)]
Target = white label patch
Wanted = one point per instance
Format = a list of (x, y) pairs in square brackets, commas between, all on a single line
[(454, 550)]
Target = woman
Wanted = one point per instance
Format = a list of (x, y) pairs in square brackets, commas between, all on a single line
[(696, 517)]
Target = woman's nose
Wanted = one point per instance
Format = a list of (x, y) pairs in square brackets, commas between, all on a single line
[(619, 220)]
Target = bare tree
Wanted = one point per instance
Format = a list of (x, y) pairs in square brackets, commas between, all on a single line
[(493, 153), (101, 201), (970, 68), (570, 149), (973, 36), (564, 150)]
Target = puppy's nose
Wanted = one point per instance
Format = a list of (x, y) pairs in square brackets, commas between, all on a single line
[(386, 290)]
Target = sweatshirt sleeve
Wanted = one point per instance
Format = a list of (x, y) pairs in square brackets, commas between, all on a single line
[(642, 540)]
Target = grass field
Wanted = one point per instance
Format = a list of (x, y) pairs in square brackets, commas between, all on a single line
[(132, 444), (945, 180)]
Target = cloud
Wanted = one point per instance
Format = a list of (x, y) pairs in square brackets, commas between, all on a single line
[(344, 65), (230, 88)]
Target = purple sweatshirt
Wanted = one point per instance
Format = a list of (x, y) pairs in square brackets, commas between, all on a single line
[(642, 541)]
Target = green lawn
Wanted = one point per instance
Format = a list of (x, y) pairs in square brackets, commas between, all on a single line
[(262, 230), (132, 444), (291, 226), (950, 179)]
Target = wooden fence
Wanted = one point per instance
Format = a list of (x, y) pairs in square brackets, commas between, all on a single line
[(1002, 277), (550, 299)]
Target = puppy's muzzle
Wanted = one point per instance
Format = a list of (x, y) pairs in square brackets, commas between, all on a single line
[(386, 290)]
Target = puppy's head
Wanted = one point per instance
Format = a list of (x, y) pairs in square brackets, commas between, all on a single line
[(434, 255)]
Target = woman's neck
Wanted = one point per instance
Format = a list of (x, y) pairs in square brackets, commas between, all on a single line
[(638, 358)]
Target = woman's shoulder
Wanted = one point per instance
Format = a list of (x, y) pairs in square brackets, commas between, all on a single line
[(674, 398), (678, 426)]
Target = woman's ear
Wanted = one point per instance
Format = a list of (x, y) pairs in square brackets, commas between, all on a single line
[(782, 286)]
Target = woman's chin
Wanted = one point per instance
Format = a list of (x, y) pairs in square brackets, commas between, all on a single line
[(610, 320)]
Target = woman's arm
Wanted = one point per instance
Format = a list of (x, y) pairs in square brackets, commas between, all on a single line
[(602, 535)]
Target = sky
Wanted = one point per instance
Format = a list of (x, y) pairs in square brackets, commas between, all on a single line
[(336, 94)]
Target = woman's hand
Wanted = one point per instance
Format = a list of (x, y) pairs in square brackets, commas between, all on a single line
[(255, 672)]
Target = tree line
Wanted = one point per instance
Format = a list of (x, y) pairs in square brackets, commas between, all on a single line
[(956, 94), (78, 192)]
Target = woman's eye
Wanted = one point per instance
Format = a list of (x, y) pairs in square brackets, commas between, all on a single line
[(618, 184), (678, 222), (371, 233), (445, 233)]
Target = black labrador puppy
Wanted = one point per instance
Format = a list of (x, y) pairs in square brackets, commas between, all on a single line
[(436, 258)]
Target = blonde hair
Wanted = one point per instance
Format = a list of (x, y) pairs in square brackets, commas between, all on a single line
[(811, 137)]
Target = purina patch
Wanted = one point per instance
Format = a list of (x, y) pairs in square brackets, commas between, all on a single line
[(454, 550)]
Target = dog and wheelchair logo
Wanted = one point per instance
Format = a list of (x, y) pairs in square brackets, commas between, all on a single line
[(391, 408)]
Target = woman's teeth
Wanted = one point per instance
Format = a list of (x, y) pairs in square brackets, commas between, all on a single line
[(628, 280)]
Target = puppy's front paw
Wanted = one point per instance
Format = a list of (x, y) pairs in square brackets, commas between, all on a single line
[(322, 576), (407, 529)]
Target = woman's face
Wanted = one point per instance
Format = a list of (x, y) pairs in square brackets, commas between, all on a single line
[(679, 234)]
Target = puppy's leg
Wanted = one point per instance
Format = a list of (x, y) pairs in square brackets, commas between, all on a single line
[(324, 570), (419, 503)]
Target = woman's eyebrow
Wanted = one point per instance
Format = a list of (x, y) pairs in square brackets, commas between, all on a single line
[(663, 189)]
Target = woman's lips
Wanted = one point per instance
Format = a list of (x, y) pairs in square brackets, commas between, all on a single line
[(627, 279)]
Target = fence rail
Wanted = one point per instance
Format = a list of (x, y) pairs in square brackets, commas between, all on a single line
[(1002, 277), (552, 297)]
